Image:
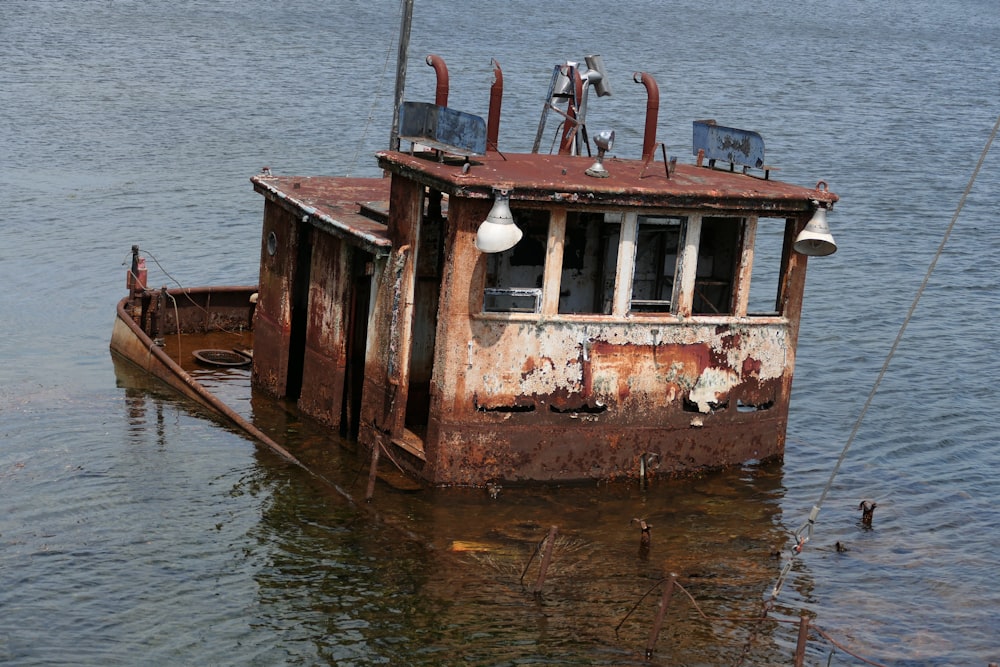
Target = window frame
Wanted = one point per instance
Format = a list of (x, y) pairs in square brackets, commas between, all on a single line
[(682, 297)]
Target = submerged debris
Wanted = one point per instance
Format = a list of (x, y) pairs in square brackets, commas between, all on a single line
[(644, 538), (867, 508)]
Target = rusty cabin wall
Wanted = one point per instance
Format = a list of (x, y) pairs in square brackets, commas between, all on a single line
[(383, 407), (556, 397), (428, 266), (791, 292), (327, 327), (321, 351), (273, 315)]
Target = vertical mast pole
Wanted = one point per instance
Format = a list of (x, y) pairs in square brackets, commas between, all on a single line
[(404, 48)]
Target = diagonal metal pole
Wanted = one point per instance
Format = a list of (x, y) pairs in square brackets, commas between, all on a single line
[(404, 49)]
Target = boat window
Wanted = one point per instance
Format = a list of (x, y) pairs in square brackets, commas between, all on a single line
[(765, 280), (718, 251), (514, 277), (656, 249), (589, 262)]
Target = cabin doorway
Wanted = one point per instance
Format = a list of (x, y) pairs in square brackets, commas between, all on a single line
[(359, 299), (299, 313), (426, 294)]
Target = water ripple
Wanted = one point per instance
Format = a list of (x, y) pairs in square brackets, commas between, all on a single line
[(134, 526)]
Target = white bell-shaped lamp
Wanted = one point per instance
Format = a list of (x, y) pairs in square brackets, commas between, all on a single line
[(815, 239), (498, 231)]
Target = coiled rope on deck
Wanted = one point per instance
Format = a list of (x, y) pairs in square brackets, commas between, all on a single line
[(804, 533)]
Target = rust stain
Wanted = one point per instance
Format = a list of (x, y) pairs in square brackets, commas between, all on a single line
[(751, 368)]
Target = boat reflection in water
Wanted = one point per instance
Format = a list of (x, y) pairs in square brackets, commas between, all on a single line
[(420, 576)]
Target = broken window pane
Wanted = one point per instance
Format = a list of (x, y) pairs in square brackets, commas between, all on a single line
[(590, 261), (514, 277), (765, 278), (656, 249), (718, 251)]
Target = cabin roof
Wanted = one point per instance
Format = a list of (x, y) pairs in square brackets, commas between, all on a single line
[(355, 209), (549, 178)]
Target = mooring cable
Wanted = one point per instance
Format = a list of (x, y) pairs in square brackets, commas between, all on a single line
[(804, 533), (837, 645), (184, 290), (375, 101)]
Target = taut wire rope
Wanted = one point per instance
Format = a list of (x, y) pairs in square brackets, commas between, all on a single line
[(375, 101), (804, 533)]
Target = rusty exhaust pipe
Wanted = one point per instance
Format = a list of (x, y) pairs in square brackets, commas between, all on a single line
[(652, 113), (496, 99), (441, 69)]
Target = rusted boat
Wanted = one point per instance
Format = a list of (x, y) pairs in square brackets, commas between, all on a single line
[(216, 314), (483, 316), (145, 316)]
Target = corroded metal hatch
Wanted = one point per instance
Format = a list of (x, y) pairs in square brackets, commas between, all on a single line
[(442, 128), (230, 358), (729, 144)]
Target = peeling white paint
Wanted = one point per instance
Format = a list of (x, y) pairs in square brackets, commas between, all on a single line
[(713, 383)]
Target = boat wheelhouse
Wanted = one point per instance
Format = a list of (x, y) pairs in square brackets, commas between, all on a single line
[(480, 316)]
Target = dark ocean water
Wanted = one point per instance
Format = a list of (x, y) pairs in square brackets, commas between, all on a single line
[(135, 530)]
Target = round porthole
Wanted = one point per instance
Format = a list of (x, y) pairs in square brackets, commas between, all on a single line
[(272, 243)]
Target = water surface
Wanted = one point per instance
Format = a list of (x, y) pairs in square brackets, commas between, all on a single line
[(137, 529)]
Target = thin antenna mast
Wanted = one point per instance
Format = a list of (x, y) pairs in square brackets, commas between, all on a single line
[(404, 47)]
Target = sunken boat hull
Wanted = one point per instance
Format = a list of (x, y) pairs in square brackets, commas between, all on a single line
[(465, 381), (482, 317), (145, 319)]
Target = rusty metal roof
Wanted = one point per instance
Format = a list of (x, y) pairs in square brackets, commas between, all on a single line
[(548, 178), (356, 209), (353, 208)]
